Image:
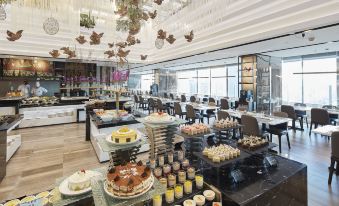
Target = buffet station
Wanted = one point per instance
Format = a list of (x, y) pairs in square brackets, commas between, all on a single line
[(145, 167), (9, 144)]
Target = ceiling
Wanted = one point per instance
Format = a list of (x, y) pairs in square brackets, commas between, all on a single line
[(216, 24)]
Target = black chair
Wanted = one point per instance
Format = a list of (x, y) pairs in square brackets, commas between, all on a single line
[(211, 99), (209, 114), (161, 107), (151, 105), (280, 130), (136, 101), (251, 126), (289, 110), (183, 98), (301, 114), (165, 95), (178, 110), (223, 115), (191, 115), (333, 117), (334, 155), (193, 99), (143, 103), (319, 117), (224, 104), (171, 96)]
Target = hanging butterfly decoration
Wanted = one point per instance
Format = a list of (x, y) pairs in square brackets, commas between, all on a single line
[(95, 38), (71, 54), (189, 37), (65, 49), (145, 16), (161, 34), (143, 57), (138, 41), (14, 36), (110, 45), (81, 39), (54, 53), (248, 69), (121, 61), (159, 2), (110, 53), (152, 15), (121, 44), (122, 53), (170, 39), (130, 40)]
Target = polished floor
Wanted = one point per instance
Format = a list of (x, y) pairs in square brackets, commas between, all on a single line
[(48, 153)]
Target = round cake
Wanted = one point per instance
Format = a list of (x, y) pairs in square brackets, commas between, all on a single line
[(129, 179), (124, 135), (79, 181)]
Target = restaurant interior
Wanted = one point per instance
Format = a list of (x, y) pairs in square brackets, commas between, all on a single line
[(169, 102)]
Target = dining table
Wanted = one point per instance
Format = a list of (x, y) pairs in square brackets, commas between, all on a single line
[(326, 130), (307, 108), (261, 117)]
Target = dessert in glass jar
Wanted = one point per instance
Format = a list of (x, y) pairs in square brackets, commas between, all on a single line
[(176, 166), (169, 195), (158, 172), (191, 173), (166, 169), (172, 180), (182, 176), (188, 187), (179, 191)]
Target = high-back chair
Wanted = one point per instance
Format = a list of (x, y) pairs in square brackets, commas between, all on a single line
[(160, 106), (223, 115), (151, 105), (193, 99), (211, 99), (192, 115), (171, 96), (301, 114), (334, 155), (291, 114), (224, 104), (165, 95), (251, 126), (333, 117), (136, 101), (143, 103), (183, 98), (280, 129), (178, 110), (319, 117)]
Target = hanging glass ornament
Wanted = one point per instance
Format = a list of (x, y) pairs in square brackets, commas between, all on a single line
[(51, 26), (159, 43), (3, 14)]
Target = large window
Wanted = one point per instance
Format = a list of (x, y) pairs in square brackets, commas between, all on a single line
[(310, 80), (218, 81), (146, 81)]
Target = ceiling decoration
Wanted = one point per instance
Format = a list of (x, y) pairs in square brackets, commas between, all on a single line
[(55, 53), (14, 36), (51, 26), (70, 53), (110, 53), (81, 39), (110, 45), (189, 37), (95, 38), (143, 57), (170, 39)]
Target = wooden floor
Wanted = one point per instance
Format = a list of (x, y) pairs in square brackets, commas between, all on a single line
[(51, 152)]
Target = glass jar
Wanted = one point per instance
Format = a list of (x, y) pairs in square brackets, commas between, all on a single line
[(188, 187), (199, 181), (157, 200), (169, 195), (179, 191), (191, 173), (170, 157), (166, 169), (176, 166), (180, 155), (182, 176), (152, 163), (161, 160), (172, 180), (158, 172)]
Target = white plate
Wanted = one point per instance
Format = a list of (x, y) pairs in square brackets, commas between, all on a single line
[(109, 140), (171, 120), (129, 197), (63, 187)]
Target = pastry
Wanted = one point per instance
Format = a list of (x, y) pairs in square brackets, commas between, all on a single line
[(129, 179), (79, 181), (252, 142), (221, 153)]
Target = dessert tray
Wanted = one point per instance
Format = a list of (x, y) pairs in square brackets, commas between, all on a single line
[(128, 197), (159, 118), (63, 187)]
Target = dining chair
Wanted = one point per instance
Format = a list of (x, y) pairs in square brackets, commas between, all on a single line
[(151, 105), (192, 115), (171, 96), (280, 129), (178, 110), (165, 95), (211, 99), (223, 115), (136, 101), (161, 107), (334, 155), (224, 104), (183, 98), (251, 126), (143, 103), (193, 99), (333, 117), (291, 114), (319, 117), (301, 114)]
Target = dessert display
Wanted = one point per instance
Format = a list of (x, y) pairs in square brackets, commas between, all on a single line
[(221, 153), (252, 142), (109, 115), (124, 135), (79, 181), (129, 179), (225, 123), (199, 200), (159, 118), (195, 129)]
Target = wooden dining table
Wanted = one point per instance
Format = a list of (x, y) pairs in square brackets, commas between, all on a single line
[(261, 118)]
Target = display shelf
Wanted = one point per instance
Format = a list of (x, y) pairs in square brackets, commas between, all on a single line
[(101, 198), (260, 149)]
